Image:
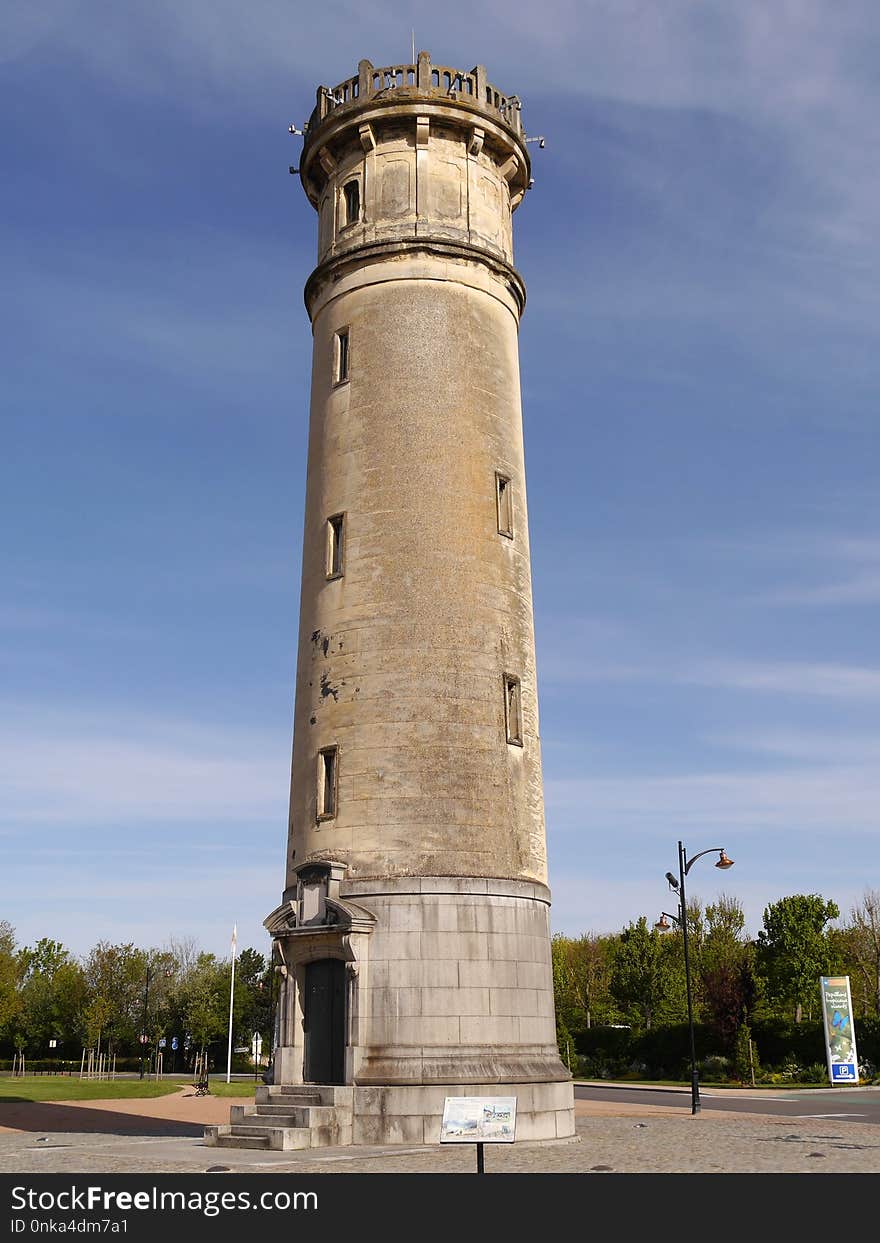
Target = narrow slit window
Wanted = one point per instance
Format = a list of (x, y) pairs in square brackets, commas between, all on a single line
[(335, 545), (340, 370), (504, 503), (327, 773), (352, 194), (513, 709)]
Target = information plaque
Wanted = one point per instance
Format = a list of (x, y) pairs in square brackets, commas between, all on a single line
[(478, 1120)]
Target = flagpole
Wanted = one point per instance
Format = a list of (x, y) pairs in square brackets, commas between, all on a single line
[(231, 991)]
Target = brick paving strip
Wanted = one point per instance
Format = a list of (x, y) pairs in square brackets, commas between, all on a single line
[(164, 1135)]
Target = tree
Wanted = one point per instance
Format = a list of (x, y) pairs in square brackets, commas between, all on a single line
[(8, 979), (52, 995), (96, 1016), (728, 986), (252, 1003), (116, 975), (642, 972), (745, 1059), (205, 1001), (794, 949), (582, 979), (861, 944)]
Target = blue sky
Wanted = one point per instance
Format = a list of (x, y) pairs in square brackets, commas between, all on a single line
[(700, 375)]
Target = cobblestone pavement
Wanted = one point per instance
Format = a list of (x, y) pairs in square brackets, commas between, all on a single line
[(618, 1139)]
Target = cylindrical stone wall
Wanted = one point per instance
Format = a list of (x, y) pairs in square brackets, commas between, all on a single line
[(402, 658), (458, 986)]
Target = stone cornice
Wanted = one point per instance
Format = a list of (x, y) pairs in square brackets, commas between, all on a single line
[(358, 258)]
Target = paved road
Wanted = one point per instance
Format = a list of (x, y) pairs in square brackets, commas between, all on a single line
[(861, 1104), (654, 1134)]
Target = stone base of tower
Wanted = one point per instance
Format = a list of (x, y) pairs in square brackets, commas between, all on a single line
[(457, 986), (412, 1115), (443, 988), (287, 1118)]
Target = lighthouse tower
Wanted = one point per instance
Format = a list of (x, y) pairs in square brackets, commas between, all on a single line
[(413, 939)]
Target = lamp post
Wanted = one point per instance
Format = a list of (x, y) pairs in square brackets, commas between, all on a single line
[(168, 973), (144, 1023), (684, 866)]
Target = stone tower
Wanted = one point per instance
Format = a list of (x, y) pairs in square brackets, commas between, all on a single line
[(413, 938)]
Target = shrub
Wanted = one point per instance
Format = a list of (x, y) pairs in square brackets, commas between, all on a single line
[(715, 1067), (745, 1056)]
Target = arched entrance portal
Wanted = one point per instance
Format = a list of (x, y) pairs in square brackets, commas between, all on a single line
[(324, 1015)]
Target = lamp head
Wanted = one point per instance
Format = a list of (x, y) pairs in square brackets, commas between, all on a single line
[(673, 883), (723, 861)]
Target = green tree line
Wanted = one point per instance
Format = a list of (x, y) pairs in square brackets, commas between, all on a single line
[(621, 1004), (107, 1000), (621, 999)]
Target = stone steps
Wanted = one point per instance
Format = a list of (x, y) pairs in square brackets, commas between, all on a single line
[(235, 1141), (286, 1118), (289, 1115)]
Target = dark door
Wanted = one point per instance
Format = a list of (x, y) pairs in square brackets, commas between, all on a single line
[(325, 1021)]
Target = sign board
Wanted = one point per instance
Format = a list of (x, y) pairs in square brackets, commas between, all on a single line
[(161, 1042), (840, 1038), (174, 1043), (478, 1120), (53, 1044)]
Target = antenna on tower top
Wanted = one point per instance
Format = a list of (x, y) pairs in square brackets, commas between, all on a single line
[(413, 33)]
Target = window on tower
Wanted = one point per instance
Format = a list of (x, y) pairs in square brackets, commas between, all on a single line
[(327, 774), (335, 545), (341, 356), (351, 192), (504, 505), (513, 709)]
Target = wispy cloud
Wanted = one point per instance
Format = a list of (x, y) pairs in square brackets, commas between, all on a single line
[(113, 770), (863, 588), (832, 572), (165, 310), (146, 896), (810, 679), (824, 680), (821, 748), (834, 798)]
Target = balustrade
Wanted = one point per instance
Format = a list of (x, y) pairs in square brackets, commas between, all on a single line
[(440, 81)]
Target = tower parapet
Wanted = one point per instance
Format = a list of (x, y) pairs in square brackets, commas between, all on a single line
[(411, 155), (436, 81)]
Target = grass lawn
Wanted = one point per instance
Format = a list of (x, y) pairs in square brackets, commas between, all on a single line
[(218, 1086), (62, 1088)]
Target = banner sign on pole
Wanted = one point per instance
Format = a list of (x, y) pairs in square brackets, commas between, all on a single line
[(840, 1038)]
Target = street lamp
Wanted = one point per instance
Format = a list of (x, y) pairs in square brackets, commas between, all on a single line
[(144, 1023), (144, 1038), (684, 866)]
